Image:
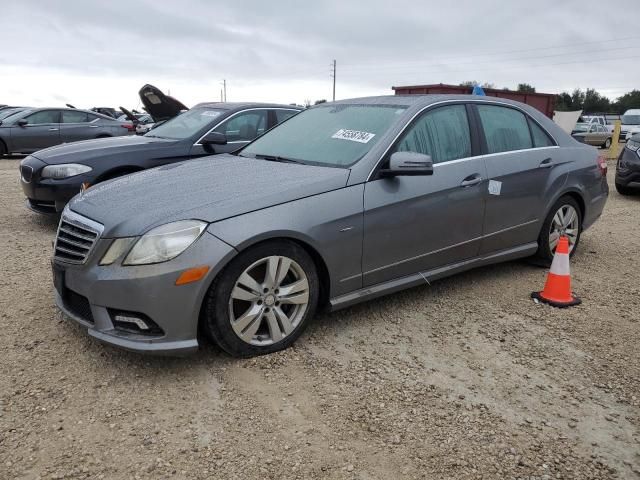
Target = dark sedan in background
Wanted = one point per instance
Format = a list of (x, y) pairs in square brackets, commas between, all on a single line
[(628, 167), (33, 129), (51, 177)]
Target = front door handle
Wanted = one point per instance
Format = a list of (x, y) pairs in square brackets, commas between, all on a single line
[(53, 129), (471, 180), (94, 126), (546, 163)]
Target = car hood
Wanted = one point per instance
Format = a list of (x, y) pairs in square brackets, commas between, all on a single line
[(87, 150), (210, 189), (159, 105)]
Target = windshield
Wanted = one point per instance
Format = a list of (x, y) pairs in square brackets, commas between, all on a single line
[(332, 135), (186, 124), (9, 112), (631, 119), (581, 127)]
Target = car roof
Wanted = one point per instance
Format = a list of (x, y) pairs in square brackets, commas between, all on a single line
[(420, 100), (243, 105)]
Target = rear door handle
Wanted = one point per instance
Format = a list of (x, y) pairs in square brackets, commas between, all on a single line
[(53, 129), (471, 180), (546, 163), (94, 126)]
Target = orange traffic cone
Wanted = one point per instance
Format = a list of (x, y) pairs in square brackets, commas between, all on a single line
[(557, 290)]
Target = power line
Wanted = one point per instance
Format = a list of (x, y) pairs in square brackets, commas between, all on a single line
[(403, 66), (515, 67), (507, 52)]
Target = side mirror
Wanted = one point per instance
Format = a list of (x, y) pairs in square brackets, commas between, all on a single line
[(22, 122), (214, 138), (408, 163)]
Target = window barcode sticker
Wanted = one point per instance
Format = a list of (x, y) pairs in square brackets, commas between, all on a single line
[(353, 135)]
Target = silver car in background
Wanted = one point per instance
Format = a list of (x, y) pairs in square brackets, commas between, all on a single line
[(32, 129), (341, 203)]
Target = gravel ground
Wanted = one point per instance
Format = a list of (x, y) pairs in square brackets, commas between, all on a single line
[(467, 378)]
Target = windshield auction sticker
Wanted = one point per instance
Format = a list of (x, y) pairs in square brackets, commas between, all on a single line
[(353, 135)]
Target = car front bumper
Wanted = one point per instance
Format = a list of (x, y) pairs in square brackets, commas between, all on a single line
[(46, 195), (94, 295)]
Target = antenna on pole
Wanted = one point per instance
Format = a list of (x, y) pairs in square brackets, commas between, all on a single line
[(333, 75)]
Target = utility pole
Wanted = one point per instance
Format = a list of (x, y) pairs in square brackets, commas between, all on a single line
[(224, 90), (333, 75)]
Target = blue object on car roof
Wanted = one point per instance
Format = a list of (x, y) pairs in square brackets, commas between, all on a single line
[(477, 90)]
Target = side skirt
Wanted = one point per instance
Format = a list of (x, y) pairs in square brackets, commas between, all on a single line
[(425, 278)]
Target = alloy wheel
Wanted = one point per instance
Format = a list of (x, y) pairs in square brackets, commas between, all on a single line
[(268, 300), (566, 221)]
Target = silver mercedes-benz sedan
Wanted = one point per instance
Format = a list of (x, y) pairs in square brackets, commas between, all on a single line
[(342, 203)]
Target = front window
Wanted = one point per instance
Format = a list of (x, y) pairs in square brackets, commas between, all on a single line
[(187, 124), (631, 119), (245, 126), (43, 117), (334, 135), (442, 133)]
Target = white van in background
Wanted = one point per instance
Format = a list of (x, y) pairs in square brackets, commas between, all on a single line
[(630, 123)]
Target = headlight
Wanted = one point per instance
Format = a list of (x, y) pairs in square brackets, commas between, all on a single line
[(117, 248), (165, 242), (64, 170), (633, 146)]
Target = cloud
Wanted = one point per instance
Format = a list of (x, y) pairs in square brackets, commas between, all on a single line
[(102, 52)]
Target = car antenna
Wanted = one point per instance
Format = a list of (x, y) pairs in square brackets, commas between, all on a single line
[(69, 105)]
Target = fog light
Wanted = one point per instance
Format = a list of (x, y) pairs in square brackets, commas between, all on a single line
[(141, 324)]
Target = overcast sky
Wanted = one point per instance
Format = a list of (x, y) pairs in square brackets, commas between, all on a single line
[(101, 53)]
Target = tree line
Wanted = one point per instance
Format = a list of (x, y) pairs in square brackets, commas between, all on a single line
[(588, 100)]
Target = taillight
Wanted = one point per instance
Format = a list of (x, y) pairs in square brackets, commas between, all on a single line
[(602, 164), (129, 126)]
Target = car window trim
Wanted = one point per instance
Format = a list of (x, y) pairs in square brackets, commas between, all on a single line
[(376, 167), (237, 113)]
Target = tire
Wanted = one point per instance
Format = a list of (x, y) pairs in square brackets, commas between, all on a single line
[(104, 135), (545, 252), (607, 143), (3, 149), (622, 190), (228, 308)]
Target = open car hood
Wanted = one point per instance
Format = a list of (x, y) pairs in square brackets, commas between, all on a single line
[(159, 105)]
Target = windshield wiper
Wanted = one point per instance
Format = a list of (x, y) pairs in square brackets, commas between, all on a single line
[(276, 158)]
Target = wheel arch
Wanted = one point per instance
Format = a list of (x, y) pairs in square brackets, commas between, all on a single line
[(301, 241)]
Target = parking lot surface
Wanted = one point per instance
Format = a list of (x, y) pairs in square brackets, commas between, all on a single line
[(467, 378)]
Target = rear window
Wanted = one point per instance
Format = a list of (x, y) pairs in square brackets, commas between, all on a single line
[(505, 129), (69, 116)]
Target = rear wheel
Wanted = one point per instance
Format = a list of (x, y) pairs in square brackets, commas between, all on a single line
[(564, 218), (3, 148), (607, 143), (263, 300)]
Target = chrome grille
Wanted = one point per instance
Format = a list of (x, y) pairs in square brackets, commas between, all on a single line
[(77, 235)]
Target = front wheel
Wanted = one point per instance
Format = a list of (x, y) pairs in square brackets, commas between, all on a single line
[(263, 300), (564, 218)]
